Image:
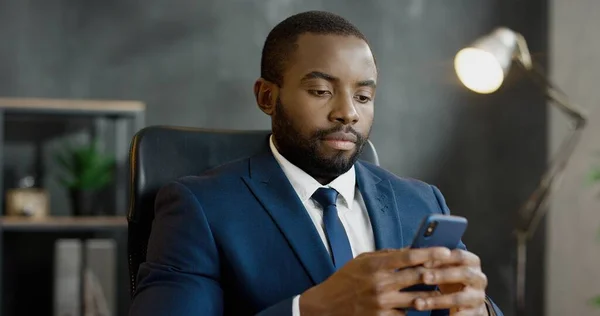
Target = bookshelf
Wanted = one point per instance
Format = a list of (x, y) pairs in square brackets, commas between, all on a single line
[(128, 117), (123, 112), (71, 107), (62, 223)]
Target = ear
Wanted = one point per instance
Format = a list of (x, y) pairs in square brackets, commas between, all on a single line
[(266, 94)]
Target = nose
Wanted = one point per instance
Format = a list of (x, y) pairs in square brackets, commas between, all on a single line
[(344, 111)]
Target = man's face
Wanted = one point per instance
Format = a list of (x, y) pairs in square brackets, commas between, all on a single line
[(324, 109)]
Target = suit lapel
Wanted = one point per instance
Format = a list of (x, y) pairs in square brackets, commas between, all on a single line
[(274, 191), (381, 205)]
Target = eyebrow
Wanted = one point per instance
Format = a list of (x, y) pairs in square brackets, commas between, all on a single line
[(367, 83), (330, 78), (319, 75)]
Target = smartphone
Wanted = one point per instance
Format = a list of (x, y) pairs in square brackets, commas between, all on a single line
[(438, 230)]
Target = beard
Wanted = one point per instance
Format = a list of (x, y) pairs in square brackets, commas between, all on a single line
[(304, 152)]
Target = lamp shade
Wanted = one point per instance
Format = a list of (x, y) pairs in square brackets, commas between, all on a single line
[(482, 66)]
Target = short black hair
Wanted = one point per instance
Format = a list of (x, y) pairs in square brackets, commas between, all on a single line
[(282, 40)]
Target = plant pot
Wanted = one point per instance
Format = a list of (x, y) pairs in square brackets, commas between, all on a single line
[(83, 202)]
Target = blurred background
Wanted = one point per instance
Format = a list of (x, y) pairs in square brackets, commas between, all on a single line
[(193, 63)]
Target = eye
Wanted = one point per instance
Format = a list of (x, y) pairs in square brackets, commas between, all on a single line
[(362, 99), (319, 93)]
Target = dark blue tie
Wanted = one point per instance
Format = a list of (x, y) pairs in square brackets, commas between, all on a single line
[(334, 230)]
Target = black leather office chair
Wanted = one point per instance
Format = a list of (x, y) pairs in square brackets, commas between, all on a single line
[(160, 154)]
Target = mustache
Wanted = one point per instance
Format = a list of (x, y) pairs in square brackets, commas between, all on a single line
[(340, 128)]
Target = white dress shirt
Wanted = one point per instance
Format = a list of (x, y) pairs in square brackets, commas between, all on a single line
[(350, 205)]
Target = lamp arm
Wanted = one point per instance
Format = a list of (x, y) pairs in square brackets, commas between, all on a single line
[(559, 99), (533, 209), (537, 74)]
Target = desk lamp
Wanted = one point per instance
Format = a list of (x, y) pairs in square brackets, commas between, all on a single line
[(482, 67)]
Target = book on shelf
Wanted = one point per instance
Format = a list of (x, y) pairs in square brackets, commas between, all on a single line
[(85, 277), (67, 267)]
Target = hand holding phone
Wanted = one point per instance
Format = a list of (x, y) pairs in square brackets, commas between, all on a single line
[(390, 280), (438, 230)]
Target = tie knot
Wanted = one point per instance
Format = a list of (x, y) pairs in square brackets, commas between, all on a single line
[(325, 196)]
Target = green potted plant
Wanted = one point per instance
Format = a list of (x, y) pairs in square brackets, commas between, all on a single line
[(86, 172), (594, 176)]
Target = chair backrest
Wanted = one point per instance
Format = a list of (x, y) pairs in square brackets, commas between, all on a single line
[(160, 154)]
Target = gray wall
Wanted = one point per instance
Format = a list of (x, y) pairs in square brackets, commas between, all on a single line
[(194, 64), (574, 221)]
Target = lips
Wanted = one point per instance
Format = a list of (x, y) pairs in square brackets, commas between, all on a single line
[(341, 136), (340, 141)]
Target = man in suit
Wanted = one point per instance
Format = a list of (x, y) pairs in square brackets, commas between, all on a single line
[(304, 228)]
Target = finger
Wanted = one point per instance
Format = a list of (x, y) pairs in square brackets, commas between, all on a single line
[(468, 298), (469, 312), (376, 253), (405, 258), (469, 276), (401, 279), (457, 257), (401, 300), (482, 310), (393, 312)]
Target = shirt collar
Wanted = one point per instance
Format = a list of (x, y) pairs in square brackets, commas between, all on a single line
[(305, 185)]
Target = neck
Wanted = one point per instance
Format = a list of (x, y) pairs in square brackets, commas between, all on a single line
[(323, 180)]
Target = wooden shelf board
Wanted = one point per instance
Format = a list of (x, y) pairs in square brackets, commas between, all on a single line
[(60, 223), (58, 105)]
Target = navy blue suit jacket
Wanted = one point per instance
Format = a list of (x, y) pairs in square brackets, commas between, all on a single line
[(238, 241)]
